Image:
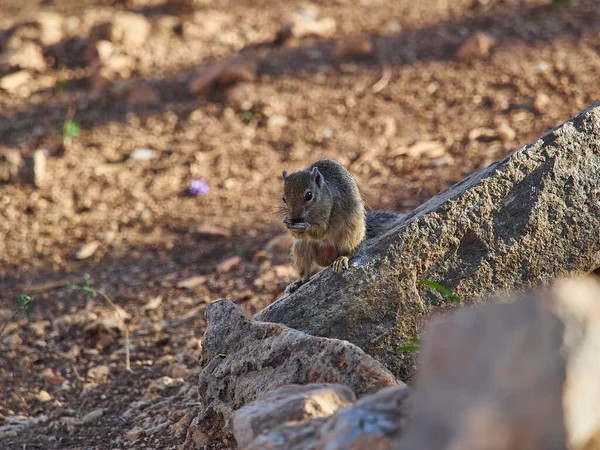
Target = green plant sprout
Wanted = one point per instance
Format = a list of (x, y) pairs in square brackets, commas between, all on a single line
[(445, 292), (70, 128), (24, 302), (89, 289), (415, 343)]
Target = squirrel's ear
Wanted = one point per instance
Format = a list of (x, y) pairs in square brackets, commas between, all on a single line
[(285, 174), (317, 177)]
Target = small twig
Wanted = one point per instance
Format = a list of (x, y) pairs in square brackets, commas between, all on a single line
[(88, 289), (386, 76), (24, 302), (70, 113), (111, 303), (9, 321)]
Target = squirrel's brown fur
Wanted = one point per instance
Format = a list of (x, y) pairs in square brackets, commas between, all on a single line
[(326, 215)]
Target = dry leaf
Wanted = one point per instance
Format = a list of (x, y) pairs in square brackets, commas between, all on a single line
[(192, 282), (87, 250), (228, 264), (152, 304), (424, 149), (213, 230)]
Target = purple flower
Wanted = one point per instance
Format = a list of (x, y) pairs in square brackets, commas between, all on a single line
[(199, 187)]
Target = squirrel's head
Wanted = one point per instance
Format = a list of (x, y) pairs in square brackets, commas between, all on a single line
[(305, 198)]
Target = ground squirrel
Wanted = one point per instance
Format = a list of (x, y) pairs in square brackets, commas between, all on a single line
[(326, 215)]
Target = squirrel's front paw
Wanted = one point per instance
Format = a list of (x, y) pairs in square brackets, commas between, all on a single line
[(294, 286), (340, 264)]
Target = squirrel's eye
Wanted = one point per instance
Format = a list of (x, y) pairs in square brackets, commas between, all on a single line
[(308, 196), (283, 198)]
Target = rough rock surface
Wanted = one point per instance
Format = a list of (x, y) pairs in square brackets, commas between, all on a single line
[(523, 221), (293, 403), (375, 422), (242, 358), (519, 375)]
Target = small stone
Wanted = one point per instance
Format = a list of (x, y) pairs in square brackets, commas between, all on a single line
[(51, 25), (130, 29), (303, 25), (105, 50), (246, 96), (15, 80), (163, 383), (44, 397), (276, 122), (10, 164), (135, 434), (87, 250), (476, 46), (142, 154), (39, 167), (39, 328), (93, 416), (353, 47), (229, 264), (27, 56), (99, 372), (505, 132), (540, 102)]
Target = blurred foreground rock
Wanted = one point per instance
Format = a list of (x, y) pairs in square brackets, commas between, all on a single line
[(243, 358), (522, 375), (523, 221)]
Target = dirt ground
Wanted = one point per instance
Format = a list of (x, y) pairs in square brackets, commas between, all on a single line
[(392, 92)]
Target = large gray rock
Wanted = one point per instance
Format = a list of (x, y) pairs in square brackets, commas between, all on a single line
[(506, 376), (242, 358), (523, 221), (288, 405), (375, 422)]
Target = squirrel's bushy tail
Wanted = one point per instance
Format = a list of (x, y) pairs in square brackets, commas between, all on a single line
[(379, 222)]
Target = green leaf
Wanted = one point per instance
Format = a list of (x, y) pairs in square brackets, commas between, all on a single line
[(445, 292), (222, 355), (24, 302), (408, 348), (454, 298), (70, 129), (436, 286)]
